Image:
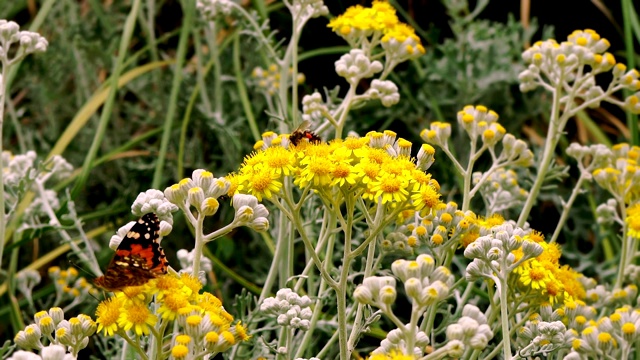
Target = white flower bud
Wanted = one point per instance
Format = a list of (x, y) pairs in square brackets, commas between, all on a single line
[(53, 352), (413, 288), (388, 294), (363, 295)]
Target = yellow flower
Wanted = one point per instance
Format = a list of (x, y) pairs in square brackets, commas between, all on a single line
[(171, 303), (135, 315), (633, 221), (342, 174), (179, 351), (390, 187), (393, 355), (316, 171), (167, 284), (262, 182), (234, 180), (367, 170), (534, 275), (280, 160), (192, 284), (107, 315), (425, 198)]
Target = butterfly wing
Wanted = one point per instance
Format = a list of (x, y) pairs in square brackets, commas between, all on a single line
[(139, 257)]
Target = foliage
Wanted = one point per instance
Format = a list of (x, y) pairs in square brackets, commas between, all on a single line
[(318, 237)]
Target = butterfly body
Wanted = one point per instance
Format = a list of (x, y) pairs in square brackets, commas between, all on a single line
[(138, 259)]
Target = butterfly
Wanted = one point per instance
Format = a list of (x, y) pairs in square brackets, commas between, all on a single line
[(302, 132), (138, 259)]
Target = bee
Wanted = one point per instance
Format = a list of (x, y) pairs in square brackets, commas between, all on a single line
[(303, 132)]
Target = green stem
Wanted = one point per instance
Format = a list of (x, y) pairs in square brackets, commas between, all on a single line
[(566, 208), (504, 316), (549, 151), (341, 291), (4, 90), (197, 249), (105, 116), (632, 120), (188, 8)]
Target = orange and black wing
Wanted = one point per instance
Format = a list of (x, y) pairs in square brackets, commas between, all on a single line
[(138, 259)]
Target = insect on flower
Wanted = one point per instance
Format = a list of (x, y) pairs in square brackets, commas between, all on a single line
[(138, 259), (303, 132)]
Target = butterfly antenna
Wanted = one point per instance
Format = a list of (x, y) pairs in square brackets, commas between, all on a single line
[(75, 265)]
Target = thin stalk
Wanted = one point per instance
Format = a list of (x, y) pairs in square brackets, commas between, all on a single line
[(632, 120), (504, 318), (105, 116), (4, 89), (197, 249), (189, 8), (566, 208), (549, 150)]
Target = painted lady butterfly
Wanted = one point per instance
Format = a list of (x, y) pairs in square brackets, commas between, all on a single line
[(138, 259)]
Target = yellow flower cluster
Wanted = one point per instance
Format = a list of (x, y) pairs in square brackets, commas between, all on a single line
[(202, 316), (545, 278), (633, 221), (620, 173), (375, 167), (68, 283), (377, 23)]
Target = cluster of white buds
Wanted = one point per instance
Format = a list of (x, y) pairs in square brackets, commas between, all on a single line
[(607, 213), (356, 66), (268, 80), (155, 201), (201, 192), (210, 9), (69, 286), (620, 297), (438, 134), (186, 259), (599, 341), (51, 352), (385, 90), (425, 284), (313, 107), (290, 309), (576, 315), (25, 281), (304, 10), (18, 168), (396, 342), (565, 64), (480, 121), (397, 242), (250, 213), (72, 334), (543, 337), (492, 254), (618, 172), (442, 226), (28, 42), (626, 325), (471, 328), (400, 46), (501, 190), (515, 151), (381, 140)]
